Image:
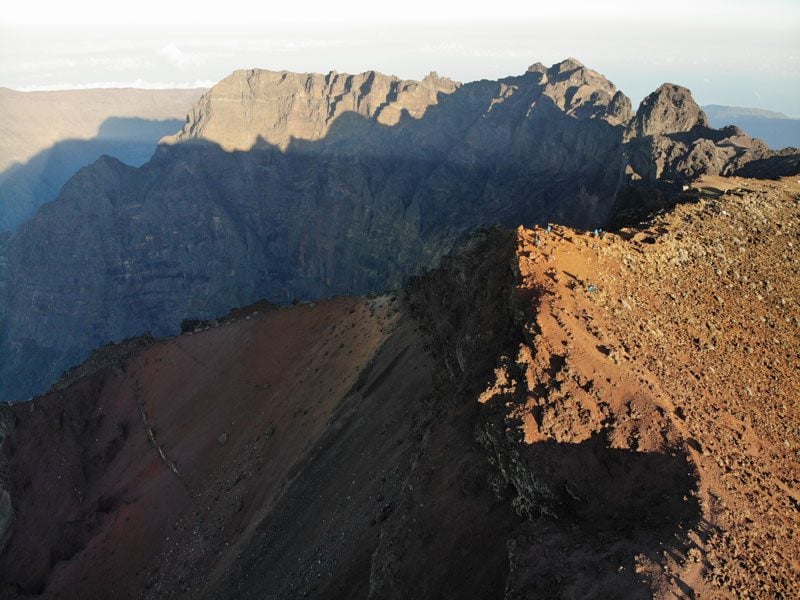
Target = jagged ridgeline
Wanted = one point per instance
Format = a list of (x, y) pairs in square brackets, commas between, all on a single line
[(285, 185)]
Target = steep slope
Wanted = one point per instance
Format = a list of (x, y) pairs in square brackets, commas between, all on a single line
[(286, 185), (156, 439), (548, 414), (45, 137), (261, 454)]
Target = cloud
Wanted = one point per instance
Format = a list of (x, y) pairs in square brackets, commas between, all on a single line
[(136, 83), (174, 55), (112, 63), (459, 49)]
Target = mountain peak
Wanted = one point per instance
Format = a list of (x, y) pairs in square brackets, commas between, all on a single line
[(580, 91), (537, 67), (568, 64), (669, 109)]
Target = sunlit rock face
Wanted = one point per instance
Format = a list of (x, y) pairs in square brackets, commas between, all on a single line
[(279, 106)]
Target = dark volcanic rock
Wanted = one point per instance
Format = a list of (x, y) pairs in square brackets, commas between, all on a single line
[(669, 144), (783, 163), (670, 141)]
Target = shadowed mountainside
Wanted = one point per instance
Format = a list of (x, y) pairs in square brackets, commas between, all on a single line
[(24, 187), (357, 205), (285, 185), (33, 124), (164, 490)]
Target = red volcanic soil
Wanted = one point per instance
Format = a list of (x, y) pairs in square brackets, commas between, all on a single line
[(113, 462), (550, 414), (677, 347)]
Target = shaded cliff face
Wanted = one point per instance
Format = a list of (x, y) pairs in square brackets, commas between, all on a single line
[(353, 184), (548, 414)]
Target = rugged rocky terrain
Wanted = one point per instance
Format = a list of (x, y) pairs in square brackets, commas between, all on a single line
[(677, 340), (286, 185), (670, 141), (45, 137), (547, 414)]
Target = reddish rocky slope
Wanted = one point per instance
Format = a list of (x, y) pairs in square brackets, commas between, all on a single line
[(670, 354), (549, 414)]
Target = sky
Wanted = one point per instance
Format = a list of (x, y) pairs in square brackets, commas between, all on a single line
[(733, 52)]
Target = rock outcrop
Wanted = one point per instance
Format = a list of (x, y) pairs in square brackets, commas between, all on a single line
[(670, 141), (670, 109)]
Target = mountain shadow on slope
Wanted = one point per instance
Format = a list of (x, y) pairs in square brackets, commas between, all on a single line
[(25, 187)]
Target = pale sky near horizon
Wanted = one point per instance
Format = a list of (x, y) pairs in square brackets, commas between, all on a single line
[(733, 52)]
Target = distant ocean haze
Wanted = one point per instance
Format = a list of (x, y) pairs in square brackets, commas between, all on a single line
[(775, 128)]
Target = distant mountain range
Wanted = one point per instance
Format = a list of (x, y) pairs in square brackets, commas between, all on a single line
[(45, 137), (775, 128)]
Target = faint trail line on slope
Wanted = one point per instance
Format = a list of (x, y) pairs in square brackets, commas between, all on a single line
[(151, 434)]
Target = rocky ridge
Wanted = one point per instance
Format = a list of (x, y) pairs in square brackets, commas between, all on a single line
[(679, 340), (286, 186), (280, 106)]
